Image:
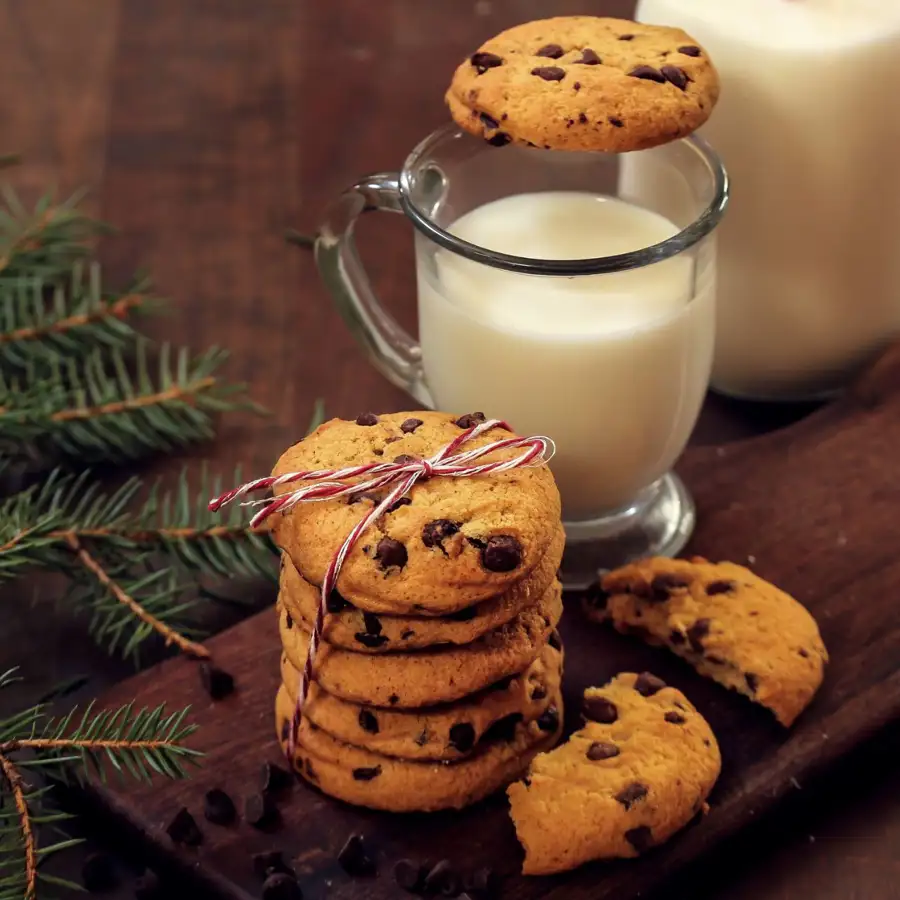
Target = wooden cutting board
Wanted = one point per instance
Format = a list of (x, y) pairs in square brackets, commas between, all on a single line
[(814, 507)]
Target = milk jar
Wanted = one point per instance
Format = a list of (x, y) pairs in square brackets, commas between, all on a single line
[(808, 126)]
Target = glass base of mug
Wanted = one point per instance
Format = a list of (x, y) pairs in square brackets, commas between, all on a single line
[(658, 523), (785, 398)]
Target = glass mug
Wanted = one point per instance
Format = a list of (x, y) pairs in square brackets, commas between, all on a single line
[(521, 318)]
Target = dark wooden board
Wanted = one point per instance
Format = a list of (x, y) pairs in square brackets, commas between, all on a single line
[(813, 507)]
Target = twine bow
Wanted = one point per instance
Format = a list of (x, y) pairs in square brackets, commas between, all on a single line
[(330, 484)]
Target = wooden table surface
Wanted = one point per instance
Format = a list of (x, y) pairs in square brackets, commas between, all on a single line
[(207, 127)]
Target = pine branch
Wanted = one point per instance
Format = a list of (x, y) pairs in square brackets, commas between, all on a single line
[(23, 813)]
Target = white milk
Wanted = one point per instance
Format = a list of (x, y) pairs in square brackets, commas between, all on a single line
[(612, 367), (808, 126)]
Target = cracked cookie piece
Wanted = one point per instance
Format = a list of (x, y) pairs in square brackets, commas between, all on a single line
[(369, 779), (449, 544), (729, 623), (447, 732), (638, 771), (428, 677), (585, 83), (374, 631)]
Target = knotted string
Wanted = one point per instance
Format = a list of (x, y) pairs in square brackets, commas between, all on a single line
[(330, 484)]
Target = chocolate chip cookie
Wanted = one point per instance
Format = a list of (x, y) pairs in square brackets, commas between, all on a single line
[(429, 677), (585, 83), (640, 769), (448, 732), (729, 623), (451, 543), (369, 631), (381, 782)]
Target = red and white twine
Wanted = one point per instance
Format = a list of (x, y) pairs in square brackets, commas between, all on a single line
[(331, 484)]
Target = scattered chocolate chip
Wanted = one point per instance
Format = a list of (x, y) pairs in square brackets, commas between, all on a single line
[(549, 73), (422, 737), (690, 50), (408, 426), (354, 859), (372, 623), (216, 682), (676, 637), (582, 118), (285, 730), (367, 419), (500, 139), (366, 773), (502, 553), (626, 37), (462, 737), (539, 693), (488, 121), (577, 86), (470, 420), (641, 838), (281, 886), (442, 879), (406, 635), (674, 718), (147, 886), (484, 61), (270, 861), (476, 542), (631, 793), (616, 123), (663, 585), (720, 587), (403, 501), (648, 684), (434, 533), (393, 699), (409, 875), (218, 807), (404, 459), (372, 641), (549, 719), (311, 772), (393, 439), (288, 621), (589, 58), (98, 873), (466, 614), (552, 51), (336, 603), (555, 641), (696, 633), (752, 681), (368, 721), (803, 653), (675, 76), (503, 729), (599, 709), (391, 553), (183, 829), (260, 811), (601, 750), (648, 73)]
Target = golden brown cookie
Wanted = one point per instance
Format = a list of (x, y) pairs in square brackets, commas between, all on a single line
[(380, 782), (640, 769), (371, 631), (585, 83), (730, 624), (449, 732), (451, 543), (429, 677)]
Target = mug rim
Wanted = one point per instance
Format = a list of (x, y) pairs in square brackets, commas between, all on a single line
[(686, 238)]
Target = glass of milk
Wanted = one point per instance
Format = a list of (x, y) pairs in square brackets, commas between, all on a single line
[(554, 295)]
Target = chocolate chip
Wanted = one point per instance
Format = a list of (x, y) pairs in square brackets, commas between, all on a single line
[(589, 58), (393, 699), (803, 653), (311, 772), (599, 709), (270, 861), (421, 738), (601, 750), (631, 793), (260, 811), (147, 886), (288, 621), (462, 737), (408, 426), (626, 37), (442, 879), (434, 533), (616, 123), (366, 773), (391, 553), (406, 635), (503, 729), (676, 637), (675, 76), (752, 681), (98, 873), (409, 875), (549, 719), (648, 684), (281, 886), (553, 51), (216, 682), (336, 603), (690, 50), (720, 587), (367, 419), (648, 73), (555, 641), (501, 553), (539, 693), (549, 73), (285, 730), (403, 501), (641, 838), (696, 633), (674, 718), (372, 623), (500, 139), (582, 118), (488, 121), (374, 499), (218, 807), (577, 86), (470, 420), (354, 859), (393, 439), (368, 721), (466, 614), (663, 585), (484, 61), (372, 641), (183, 829)]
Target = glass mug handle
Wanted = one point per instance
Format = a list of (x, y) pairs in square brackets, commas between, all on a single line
[(389, 348)]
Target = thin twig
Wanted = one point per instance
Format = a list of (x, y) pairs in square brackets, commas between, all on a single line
[(14, 780), (87, 744), (169, 634), (117, 310)]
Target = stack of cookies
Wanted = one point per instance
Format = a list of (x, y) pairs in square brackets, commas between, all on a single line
[(438, 678)]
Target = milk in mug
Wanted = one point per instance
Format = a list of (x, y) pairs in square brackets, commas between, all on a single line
[(808, 126), (612, 367)]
